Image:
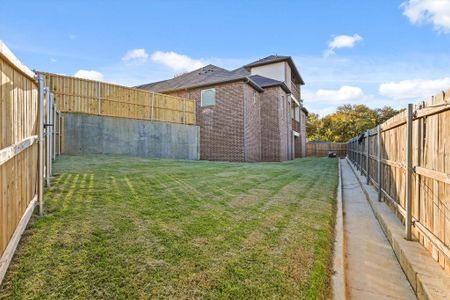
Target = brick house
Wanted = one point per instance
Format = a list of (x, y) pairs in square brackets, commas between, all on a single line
[(253, 113)]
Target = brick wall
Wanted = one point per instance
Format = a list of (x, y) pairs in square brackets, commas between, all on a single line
[(252, 124), (222, 125), (270, 132), (303, 133), (298, 146), (276, 127), (283, 111), (265, 134)]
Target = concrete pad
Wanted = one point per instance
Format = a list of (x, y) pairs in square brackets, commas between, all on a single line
[(373, 271), (338, 280), (425, 275)]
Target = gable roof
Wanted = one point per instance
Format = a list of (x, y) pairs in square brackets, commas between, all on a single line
[(204, 76), (211, 74), (273, 59)]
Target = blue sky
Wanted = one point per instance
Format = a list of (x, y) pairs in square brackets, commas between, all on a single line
[(383, 52)]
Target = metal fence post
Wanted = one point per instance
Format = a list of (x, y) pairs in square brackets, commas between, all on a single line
[(50, 134), (368, 157), (47, 139), (408, 221), (59, 133), (41, 145), (379, 161), (54, 128)]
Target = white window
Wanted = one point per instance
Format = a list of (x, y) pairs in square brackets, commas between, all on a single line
[(208, 97)]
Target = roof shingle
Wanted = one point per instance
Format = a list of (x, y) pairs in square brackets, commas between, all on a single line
[(212, 74)]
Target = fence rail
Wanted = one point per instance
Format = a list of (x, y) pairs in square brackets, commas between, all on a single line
[(407, 159), (27, 149), (99, 98), (323, 148)]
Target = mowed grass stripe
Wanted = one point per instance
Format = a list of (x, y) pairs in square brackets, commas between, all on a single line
[(124, 227)]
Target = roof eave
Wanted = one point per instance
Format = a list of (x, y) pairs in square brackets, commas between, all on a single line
[(249, 81), (280, 84), (305, 110)]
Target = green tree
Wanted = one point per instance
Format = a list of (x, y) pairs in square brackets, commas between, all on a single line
[(348, 121), (313, 126)]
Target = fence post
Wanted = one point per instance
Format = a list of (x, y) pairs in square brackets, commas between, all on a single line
[(50, 133), (153, 101), (98, 97), (361, 157), (408, 220), (41, 145), (53, 129), (184, 110), (195, 116), (59, 133), (368, 153), (47, 138), (379, 161)]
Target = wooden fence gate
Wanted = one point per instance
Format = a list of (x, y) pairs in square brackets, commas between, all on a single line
[(30, 138)]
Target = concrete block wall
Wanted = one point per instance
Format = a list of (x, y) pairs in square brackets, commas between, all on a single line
[(90, 134)]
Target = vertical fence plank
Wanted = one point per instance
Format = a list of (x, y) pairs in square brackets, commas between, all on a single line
[(41, 145), (380, 185), (368, 157), (408, 218), (99, 98)]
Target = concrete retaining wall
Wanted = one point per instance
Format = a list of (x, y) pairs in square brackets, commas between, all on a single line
[(90, 134)]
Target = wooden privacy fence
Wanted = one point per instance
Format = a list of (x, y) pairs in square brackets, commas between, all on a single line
[(27, 148), (322, 148), (100, 98), (407, 159)]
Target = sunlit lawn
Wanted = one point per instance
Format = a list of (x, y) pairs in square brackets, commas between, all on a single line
[(124, 227)]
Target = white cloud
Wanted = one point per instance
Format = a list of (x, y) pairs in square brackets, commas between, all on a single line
[(342, 41), (72, 36), (86, 74), (137, 56), (177, 62), (343, 94), (436, 12), (413, 89)]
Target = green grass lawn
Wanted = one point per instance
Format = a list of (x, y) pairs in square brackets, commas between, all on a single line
[(124, 227)]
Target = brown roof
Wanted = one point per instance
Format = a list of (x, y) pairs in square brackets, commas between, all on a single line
[(211, 74), (207, 75)]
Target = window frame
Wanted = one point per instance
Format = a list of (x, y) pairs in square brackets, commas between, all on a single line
[(201, 97)]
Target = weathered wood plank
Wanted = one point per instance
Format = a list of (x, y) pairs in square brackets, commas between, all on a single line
[(11, 151), (7, 255), (82, 95)]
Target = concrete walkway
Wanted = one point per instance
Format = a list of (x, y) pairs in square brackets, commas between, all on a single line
[(372, 269)]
